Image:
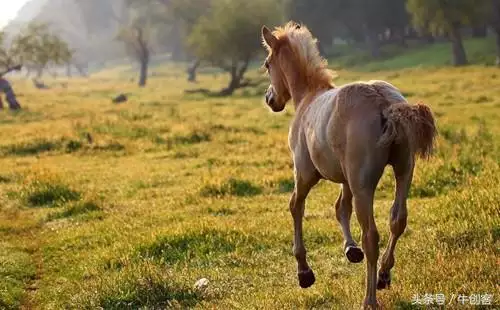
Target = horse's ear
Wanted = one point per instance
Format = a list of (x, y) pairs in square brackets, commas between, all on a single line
[(268, 38)]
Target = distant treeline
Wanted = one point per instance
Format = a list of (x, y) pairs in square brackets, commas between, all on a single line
[(365, 24), (225, 33), (370, 24)]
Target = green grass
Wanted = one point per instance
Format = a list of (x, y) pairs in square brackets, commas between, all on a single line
[(16, 269), (479, 52), (176, 187), (80, 210)]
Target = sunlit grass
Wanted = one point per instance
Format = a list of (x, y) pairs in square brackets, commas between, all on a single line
[(127, 206)]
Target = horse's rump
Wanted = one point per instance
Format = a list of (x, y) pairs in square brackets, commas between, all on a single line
[(403, 123)]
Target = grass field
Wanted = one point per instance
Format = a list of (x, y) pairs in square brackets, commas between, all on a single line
[(173, 187)]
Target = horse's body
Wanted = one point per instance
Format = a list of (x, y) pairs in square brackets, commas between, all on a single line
[(346, 135)]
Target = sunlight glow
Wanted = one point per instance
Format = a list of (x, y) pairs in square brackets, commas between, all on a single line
[(9, 9)]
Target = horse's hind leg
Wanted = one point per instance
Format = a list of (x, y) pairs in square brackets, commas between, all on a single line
[(403, 171), (343, 208), (364, 173), (363, 203)]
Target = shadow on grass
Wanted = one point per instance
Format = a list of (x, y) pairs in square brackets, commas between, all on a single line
[(81, 210), (226, 92), (63, 145), (48, 194), (232, 187), (200, 247), (145, 286)]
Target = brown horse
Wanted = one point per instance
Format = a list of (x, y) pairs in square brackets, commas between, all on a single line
[(346, 135)]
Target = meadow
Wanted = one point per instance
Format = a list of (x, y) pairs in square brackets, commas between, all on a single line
[(126, 206)]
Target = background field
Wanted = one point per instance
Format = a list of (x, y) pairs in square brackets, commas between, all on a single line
[(127, 206)]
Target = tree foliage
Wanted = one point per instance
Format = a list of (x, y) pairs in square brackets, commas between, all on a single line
[(359, 22), (35, 45), (447, 17), (441, 16), (189, 11), (7, 55), (228, 36)]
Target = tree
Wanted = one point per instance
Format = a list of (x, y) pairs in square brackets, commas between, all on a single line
[(321, 18), (364, 22), (447, 17), (140, 27), (187, 14), (36, 46), (227, 36), (7, 64), (7, 55)]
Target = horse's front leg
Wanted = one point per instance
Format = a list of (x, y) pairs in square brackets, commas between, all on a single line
[(304, 181)]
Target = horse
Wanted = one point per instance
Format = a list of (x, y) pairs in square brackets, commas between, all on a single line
[(347, 135)]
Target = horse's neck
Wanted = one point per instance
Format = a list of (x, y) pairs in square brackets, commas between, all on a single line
[(301, 91)]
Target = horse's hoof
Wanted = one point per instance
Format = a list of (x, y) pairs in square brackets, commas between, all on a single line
[(384, 280), (306, 278), (371, 306), (354, 254)]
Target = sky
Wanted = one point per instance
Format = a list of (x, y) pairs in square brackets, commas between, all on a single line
[(9, 9)]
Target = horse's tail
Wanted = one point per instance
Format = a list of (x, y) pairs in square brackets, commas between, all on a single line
[(413, 125)]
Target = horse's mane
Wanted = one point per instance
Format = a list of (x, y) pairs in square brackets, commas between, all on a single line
[(304, 46)]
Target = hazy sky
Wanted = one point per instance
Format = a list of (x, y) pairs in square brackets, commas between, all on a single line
[(8, 10)]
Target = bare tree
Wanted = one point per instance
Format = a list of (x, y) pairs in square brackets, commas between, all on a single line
[(140, 25)]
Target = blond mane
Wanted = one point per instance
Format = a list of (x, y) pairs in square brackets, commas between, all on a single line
[(304, 46)]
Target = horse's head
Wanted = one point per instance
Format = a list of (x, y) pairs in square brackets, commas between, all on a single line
[(277, 94), (294, 64)]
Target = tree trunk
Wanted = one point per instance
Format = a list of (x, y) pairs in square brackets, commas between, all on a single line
[(410, 33), (6, 88), (497, 36), (81, 70), (495, 24), (236, 77), (372, 41), (400, 33), (192, 70), (429, 38), (479, 31), (68, 70), (39, 73), (144, 71), (176, 42), (233, 83), (459, 55)]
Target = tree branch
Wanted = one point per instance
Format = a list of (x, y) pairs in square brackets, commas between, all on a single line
[(10, 69)]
